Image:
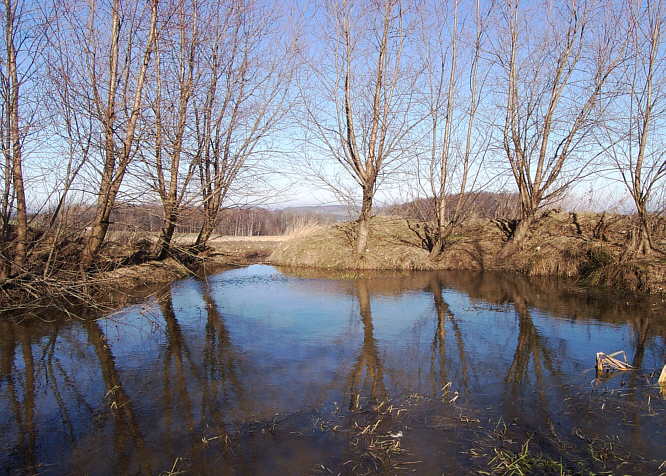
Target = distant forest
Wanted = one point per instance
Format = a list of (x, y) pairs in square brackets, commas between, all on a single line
[(259, 221)]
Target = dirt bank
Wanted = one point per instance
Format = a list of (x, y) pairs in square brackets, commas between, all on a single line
[(589, 247), (119, 283), (223, 253)]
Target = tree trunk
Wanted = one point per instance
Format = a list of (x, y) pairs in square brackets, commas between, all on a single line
[(519, 235), (522, 229), (439, 245), (211, 212), (106, 199), (21, 210), (15, 139), (5, 230), (641, 243), (167, 234), (364, 223), (204, 232), (95, 239)]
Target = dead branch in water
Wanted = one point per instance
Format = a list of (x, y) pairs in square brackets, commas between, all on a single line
[(608, 362)]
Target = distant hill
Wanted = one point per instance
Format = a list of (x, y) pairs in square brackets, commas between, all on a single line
[(337, 212), (481, 205)]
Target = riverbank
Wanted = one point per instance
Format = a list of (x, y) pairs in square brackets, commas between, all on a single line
[(118, 282), (589, 248), (222, 252)]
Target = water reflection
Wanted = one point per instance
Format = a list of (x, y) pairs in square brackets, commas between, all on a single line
[(444, 315), (221, 367), (213, 361), (367, 372), (128, 442), (19, 389), (531, 348), (176, 399)]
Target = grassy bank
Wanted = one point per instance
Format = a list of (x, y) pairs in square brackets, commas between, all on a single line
[(590, 248)]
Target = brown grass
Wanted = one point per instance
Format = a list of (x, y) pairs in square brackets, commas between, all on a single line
[(556, 247), (189, 238), (392, 246)]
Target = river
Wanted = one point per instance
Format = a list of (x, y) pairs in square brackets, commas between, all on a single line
[(260, 370)]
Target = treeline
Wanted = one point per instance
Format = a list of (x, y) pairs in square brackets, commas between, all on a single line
[(196, 105), (147, 218)]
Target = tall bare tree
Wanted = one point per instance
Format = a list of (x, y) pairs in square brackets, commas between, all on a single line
[(637, 149), (361, 102), (176, 67), (114, 43), (21, 54), (456, 145), (250, 64), (555, 58)]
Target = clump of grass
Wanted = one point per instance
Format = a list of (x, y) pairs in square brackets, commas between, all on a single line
[(301, 228), (597, 257), (522, 463), (375, 434), (506, 450), (632, 276), (561, 256)]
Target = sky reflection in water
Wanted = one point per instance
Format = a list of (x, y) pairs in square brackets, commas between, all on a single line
[(132, 392)]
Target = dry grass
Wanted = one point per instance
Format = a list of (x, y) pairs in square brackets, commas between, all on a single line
[(302, 227), (189, 238), (557, 246), (299, 232), (392, 245)]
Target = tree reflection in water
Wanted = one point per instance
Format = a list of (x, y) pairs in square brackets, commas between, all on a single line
[(177, 405), (129, 445), (438, 360), (221, 382), (74, 398), (367, 373), (19, 383)]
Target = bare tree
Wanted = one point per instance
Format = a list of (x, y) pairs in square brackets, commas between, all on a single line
[(361, 102), (245, 97), (555, 59), (456, 145), (21, 49), (637, 148), (114, 43), (174, 88)]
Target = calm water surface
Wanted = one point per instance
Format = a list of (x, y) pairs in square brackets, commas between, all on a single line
[(265, 371)]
